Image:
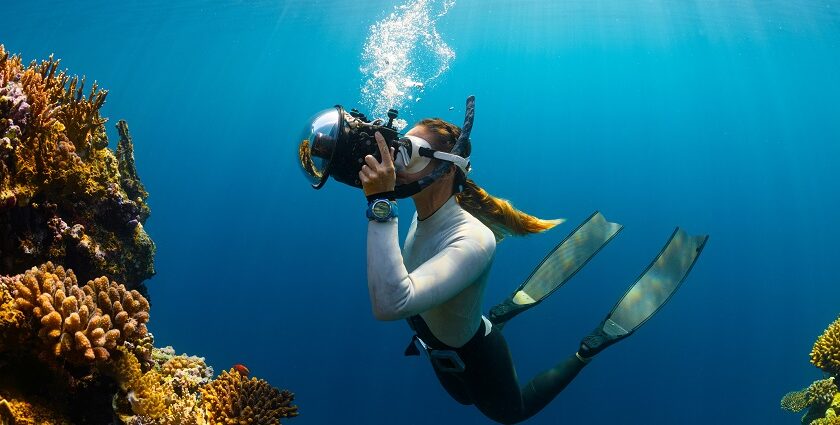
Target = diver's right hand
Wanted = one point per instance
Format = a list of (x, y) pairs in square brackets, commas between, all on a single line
[(379, 176)]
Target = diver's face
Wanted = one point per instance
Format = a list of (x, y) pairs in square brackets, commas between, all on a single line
[(424, 133)]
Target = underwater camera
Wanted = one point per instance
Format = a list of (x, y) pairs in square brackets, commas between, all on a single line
[(336, 142)]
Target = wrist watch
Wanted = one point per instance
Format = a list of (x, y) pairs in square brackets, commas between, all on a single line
[(382, 210)]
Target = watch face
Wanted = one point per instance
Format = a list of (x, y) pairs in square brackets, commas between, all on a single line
[(381, 209)]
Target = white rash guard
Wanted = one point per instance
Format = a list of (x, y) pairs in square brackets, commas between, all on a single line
[(441, 276)]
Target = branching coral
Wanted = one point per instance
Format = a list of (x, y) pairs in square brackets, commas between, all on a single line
[(826, 352), (79, 324), (234, 399), (146, 391), (64, 196), (822, 392)]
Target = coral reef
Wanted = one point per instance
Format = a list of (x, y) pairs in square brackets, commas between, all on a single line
[(78, 324), (234, 399), (822, 397), (18, 412), (64, 196), (826, 352), (72, 211)]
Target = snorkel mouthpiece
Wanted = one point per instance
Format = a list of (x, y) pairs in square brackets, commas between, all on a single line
[(335, 143)]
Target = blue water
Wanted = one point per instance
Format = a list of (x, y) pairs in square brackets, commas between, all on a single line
[(718, 116)]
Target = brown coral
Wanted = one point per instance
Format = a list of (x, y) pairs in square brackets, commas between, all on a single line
[(79, 324), (234, 399), (826, 352), (64, 196)]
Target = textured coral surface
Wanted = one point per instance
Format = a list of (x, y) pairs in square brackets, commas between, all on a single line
[(78, 324), (64, 196), (826, 352), (234, 399), (72, 211), (821, 398)]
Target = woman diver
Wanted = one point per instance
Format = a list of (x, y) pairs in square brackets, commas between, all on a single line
[(437, 282)]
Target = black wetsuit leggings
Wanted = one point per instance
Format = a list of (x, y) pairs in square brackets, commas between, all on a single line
[(489, 379)]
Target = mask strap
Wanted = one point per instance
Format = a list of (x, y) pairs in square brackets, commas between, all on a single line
[(406, 190)]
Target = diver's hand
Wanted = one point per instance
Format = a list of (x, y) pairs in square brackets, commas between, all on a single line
[(376, 176)]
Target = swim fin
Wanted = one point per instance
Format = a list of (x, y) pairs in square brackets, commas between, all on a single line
[(566, 259), (651, 291)]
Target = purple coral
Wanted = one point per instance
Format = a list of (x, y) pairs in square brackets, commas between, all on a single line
[(15, 110)]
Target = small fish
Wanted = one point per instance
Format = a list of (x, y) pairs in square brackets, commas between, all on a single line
[(451, 108), (244, 371)]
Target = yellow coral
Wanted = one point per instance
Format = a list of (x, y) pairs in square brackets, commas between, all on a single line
[(234, 399), (830, 418), (822, 392), (146, 391), (79, 324), (20, 412), (826, 352)]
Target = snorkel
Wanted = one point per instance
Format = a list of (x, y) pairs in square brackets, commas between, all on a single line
[(336, 142)]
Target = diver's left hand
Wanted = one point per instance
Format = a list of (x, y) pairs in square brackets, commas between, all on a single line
[(379, 176)]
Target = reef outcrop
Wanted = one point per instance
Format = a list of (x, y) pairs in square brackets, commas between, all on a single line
[(822, 397), (64, 196), (74, 255)]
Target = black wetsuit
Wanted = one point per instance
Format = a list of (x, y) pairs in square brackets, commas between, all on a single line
[(489, 378)]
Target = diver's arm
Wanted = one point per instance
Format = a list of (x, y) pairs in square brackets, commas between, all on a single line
[(396, 294)]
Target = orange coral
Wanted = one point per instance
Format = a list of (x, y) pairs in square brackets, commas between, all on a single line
[(80, 324), (826, 352), (234, 399)]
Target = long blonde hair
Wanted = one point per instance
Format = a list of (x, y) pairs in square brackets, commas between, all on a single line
[(496, 213)]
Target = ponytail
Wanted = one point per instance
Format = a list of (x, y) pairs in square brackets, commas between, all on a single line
[(496, 213)]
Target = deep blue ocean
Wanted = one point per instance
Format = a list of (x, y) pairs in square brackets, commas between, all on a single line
[(718, 116)]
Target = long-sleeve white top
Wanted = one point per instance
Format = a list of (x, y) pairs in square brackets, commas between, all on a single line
[(441, 274)]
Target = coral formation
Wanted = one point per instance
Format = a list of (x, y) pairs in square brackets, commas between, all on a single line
[(795, 401), (72, 211), (822, 397), (826, 352), (822, 392), (64, 196), (18, 412), (78, 324), (234, 399)]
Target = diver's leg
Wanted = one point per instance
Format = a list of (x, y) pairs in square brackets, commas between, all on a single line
[(491, 382), (454, 386)]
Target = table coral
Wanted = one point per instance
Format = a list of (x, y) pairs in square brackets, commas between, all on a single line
[(234, 399), (796, 401), (826, 352), (79, 324), (64, 196)]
